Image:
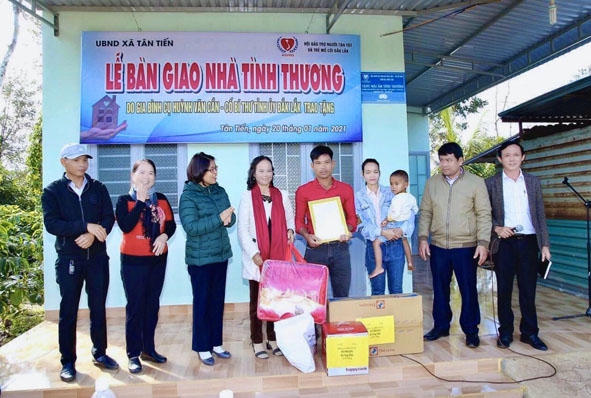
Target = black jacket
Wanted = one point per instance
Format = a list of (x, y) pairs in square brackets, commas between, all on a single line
[(66, 216)]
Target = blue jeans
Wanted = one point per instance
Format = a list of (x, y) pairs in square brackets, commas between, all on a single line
[(335, 255), (459, 261), (393, 263)]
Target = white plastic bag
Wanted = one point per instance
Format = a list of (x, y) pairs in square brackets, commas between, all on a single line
[(296, 337)]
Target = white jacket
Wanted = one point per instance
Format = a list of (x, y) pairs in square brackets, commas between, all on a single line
[(247, 232)]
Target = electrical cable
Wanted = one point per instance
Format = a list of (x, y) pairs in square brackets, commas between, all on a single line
[(451, 14), (554, 370)]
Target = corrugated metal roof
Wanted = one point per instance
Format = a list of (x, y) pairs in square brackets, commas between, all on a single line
[(453, 48), (570, 103)]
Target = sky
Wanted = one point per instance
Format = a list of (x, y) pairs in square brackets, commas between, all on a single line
[(27, 61), (547, 77)]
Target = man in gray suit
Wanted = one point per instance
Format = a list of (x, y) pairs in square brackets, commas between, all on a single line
[(519, 221)]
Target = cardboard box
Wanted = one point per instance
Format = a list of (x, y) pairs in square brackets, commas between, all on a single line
[(344, 348), (394, 322)]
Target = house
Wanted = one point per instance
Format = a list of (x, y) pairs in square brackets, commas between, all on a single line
[(105, 113), (396, 38)]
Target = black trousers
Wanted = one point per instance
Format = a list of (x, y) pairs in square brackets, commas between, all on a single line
[(517, 257), (70, 276), (142, 284), (209, 291)]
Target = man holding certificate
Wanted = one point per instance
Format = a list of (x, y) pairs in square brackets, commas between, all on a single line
[(325, 217)]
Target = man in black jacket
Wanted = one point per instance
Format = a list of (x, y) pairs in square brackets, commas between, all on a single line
[(79, 212)]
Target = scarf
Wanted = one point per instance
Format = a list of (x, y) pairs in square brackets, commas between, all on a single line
[(149, 218), (271, 246)]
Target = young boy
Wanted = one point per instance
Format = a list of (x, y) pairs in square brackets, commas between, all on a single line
[(402, 209)]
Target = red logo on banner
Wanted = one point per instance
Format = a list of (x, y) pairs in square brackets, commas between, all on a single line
[(287, 44)]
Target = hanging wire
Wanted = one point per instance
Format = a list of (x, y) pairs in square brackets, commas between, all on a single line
[(136, 22), (553, 373), (451, 14)]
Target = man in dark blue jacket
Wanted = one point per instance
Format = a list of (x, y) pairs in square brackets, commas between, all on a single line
[(79, 212)]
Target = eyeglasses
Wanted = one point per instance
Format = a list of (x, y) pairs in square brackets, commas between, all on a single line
[(213, 169)]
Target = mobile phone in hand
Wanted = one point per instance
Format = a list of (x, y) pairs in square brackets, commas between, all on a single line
[(544, 268)]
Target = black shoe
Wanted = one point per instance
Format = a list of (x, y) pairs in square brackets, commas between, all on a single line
[(106, 362), (434, 334), (134, 366), (504, 341), (153, 356), (472, 340), (68, 373), (534, 341)]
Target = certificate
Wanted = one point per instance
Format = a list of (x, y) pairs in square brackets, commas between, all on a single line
[(328, 219)]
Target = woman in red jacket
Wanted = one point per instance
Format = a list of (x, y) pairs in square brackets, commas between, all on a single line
[(147, 222)]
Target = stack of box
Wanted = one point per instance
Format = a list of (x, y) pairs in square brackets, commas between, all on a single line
[(394, 322), (344, 348)]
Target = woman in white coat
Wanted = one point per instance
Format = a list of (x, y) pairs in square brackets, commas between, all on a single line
[(265, 226)]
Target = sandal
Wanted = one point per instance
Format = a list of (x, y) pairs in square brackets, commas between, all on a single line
[(259, 351), (272, 345)]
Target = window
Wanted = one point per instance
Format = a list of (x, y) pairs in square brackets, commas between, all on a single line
[(290, 160), (292, 163), (116, 162), (345, 161), (115, 167), (287, 162), (418, 173)]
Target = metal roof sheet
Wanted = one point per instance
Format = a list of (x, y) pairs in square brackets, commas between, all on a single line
[(453, 48), (570, 103)]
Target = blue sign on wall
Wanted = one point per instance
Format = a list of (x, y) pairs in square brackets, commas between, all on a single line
[(157, 87), (383, 87)]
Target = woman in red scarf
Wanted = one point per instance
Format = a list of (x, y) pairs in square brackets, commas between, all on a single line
[(265, 226)]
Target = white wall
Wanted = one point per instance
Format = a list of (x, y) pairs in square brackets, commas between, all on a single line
[(384, 126)]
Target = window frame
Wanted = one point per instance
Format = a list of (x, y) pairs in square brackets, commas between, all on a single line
[(306, 172), (136, 152)]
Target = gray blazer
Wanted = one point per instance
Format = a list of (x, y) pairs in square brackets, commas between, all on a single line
[(533, 187)]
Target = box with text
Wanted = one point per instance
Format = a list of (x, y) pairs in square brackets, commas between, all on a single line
[(394, 322), (344, 348)]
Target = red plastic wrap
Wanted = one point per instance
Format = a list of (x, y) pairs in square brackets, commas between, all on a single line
[(288, 288)]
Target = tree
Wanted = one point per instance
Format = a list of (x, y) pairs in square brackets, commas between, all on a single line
[(34, 163), (12, 45), (16, 119), (448, 126), (21, 224), (12, 188)]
